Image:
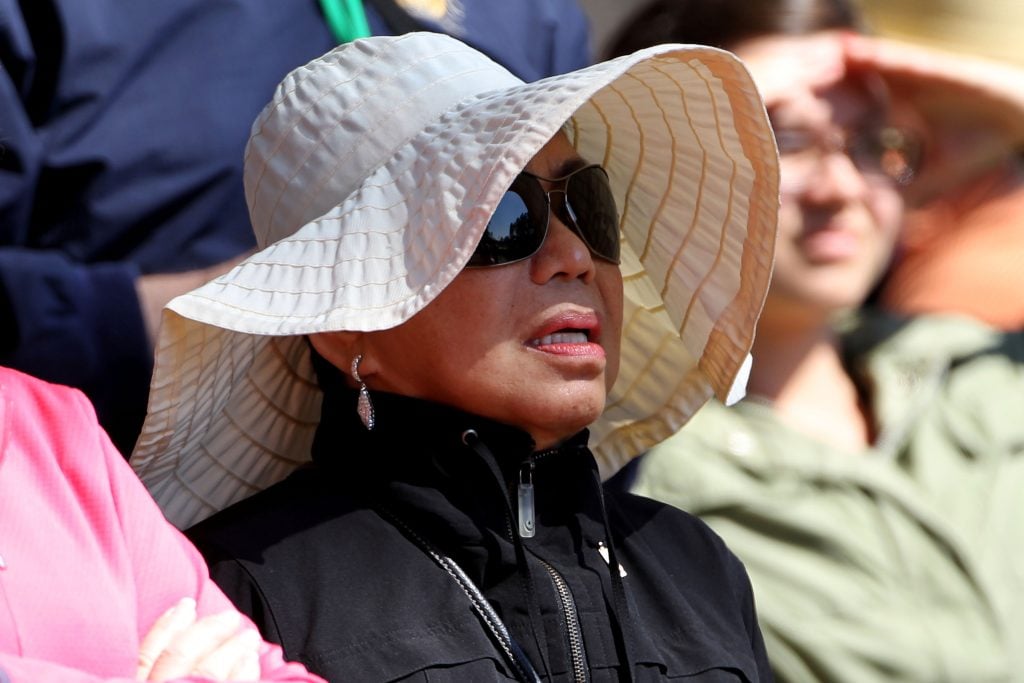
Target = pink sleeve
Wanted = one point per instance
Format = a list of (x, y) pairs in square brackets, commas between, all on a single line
[(167, 566), (67, 493), (27, 670)]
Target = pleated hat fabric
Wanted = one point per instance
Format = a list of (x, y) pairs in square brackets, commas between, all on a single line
[(370, 178)]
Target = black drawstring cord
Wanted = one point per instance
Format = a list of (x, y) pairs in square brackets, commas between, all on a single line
[(622, 616), (472, 439)]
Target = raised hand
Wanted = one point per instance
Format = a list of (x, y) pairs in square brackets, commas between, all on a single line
[(970, 110)]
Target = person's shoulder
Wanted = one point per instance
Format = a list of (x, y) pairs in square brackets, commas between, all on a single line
[(709, 458), (934, 335), (639, 510), (40, 415), (975, 370), (707, 426), (706, 432), (286, 511), (692, 562), (28, 394), (687, 572), (960, 346), (674, 530)]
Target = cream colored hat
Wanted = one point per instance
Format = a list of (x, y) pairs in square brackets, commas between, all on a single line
[(370, 178)]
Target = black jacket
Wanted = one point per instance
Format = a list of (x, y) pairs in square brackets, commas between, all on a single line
[(335, 562)]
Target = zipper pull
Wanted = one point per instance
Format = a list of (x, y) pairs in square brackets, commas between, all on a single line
[(527, 522)]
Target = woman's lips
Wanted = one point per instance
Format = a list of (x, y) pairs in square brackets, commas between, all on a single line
[(830, 245), (571, 333), (567, 344), (581, 349)]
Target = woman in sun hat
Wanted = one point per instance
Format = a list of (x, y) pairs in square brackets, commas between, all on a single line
[(459, 274)]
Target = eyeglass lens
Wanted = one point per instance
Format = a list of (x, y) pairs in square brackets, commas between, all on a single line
[(890, 154)]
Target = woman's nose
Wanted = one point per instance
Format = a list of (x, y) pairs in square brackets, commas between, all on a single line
[(563, 254), (836, 178)]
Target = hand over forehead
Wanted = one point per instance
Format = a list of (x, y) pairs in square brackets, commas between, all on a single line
[(790, 68), (947, 88)]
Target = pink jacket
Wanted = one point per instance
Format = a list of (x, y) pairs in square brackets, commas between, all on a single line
[(88, 561)]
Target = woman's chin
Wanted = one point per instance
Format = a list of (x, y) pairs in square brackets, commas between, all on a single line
[(567, 415)]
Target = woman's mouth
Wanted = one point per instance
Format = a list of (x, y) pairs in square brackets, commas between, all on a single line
[(570, 333), (830, 245), (568, 337)]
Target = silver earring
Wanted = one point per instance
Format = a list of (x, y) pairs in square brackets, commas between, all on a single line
[(364, 407)]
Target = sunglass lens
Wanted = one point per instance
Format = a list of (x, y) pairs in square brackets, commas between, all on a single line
[(519, 223), (591, 207), (516, 229)]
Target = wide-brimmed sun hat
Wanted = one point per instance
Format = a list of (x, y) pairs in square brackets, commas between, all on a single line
[(370, 178)]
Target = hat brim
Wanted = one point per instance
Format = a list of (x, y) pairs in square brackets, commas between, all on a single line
[(684, 137)]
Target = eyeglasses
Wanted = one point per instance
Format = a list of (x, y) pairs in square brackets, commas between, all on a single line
[(519, 225), (887, 154)]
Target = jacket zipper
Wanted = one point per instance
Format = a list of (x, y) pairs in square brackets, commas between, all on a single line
[(526, 523), (572, 624)]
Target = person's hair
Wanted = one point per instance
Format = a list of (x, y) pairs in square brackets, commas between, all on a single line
[(722, 23)]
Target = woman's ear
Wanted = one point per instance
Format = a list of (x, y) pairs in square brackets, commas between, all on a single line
[(338, 348)]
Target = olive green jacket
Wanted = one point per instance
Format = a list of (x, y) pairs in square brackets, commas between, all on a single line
[(901, 563)]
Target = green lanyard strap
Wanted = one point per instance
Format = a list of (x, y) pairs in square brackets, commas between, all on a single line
[(346, 19)]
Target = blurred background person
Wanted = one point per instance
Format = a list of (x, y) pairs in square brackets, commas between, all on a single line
[(122, 128), (870, 480), (962, 244)]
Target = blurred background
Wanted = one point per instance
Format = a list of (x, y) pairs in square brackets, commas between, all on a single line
[(989, 28)]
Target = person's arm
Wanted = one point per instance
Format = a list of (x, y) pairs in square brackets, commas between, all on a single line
[(73, 324), (59, 319), (28, 670), (167, 567), (116, 191), (164, 619)]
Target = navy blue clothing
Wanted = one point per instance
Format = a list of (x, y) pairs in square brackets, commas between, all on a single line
[(122, 129)]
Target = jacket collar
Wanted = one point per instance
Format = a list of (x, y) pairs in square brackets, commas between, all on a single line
[(451, 477), (406, 428), (417, 459)]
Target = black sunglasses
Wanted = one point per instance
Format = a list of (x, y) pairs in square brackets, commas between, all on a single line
[(519, 224)]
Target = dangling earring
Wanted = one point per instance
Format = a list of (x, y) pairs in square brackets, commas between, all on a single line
[(364, 407)]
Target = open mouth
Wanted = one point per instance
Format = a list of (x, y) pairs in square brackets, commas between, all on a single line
[(568, 336)]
